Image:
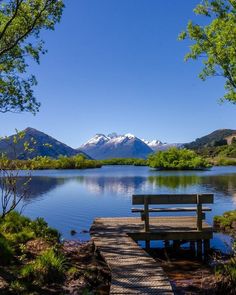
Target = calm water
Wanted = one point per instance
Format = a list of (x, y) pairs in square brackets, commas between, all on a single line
[(71, 199)]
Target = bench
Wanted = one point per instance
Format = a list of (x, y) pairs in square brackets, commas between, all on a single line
[(177, 229)]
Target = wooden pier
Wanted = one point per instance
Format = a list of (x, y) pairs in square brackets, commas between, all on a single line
[(133, 271)]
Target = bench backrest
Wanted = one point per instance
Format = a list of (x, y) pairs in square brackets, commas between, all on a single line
[(173, 199)]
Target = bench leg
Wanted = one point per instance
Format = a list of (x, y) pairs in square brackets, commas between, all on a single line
[(199, 249), (206, 248), (166, 244), (176, 244), (147, 245), (192, 247)]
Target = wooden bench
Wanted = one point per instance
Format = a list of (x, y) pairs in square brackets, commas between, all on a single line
[(185, 203)]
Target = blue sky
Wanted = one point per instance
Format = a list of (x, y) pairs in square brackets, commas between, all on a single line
[(117, 66)]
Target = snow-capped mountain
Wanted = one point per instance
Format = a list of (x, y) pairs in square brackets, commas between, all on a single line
[(122, 146), (157, 145), (154, 144), (116, 146)]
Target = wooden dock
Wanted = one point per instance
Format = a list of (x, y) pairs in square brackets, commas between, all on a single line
[(133, 271)]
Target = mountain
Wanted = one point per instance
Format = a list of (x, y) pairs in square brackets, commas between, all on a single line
[(154, 144), (41, 144), (116, 146), (216, 138), (157, 145)]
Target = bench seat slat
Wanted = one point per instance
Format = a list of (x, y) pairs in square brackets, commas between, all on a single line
[(183, 209)]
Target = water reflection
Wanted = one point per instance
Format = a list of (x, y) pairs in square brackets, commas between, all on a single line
[(174, 181), (113, 185), (225, 185)]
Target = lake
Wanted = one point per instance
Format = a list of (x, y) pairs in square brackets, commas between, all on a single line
[(71, 199)]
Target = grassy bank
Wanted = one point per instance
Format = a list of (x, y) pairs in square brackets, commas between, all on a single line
[(34, 261)]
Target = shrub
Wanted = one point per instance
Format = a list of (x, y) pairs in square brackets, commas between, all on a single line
[(124, 161), (41, 229), (14, 222), (6, 252), (177, 159), (227, 273), (48, 267)]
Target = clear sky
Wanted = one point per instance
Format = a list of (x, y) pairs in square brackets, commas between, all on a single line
[(117, 66)]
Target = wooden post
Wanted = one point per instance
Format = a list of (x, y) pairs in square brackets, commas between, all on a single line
[(176, 244), (147, 244), (199, 249), (146, 213), (206, 248), (199, 214), (192, 247), (166, 243)]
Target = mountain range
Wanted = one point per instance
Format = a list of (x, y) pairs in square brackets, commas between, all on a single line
[(40, 144), (103, 146), (121, 146)]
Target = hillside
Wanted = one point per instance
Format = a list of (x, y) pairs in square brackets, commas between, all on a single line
[(216, 138), (41, 144)]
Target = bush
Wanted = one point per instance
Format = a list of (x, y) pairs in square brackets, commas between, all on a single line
[(177, 159), (124, 161), (6, 251), (41, 229), (227, 272), (48, 267), (226, 222)]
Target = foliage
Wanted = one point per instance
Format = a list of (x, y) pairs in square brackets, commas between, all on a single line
[(177, 159), (214, 139), (227, 269), (124, 161), (12, 191), (220, 155), (21, 22), (6, 251), (63, 162), (215, 42), (226, 222), (19, 229), (48, 267)]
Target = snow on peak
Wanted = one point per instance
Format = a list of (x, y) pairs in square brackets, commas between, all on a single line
[(97, 139), (129, 135)]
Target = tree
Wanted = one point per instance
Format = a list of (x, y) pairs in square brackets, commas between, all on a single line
[(177, 159), (215, 42), (21, 22), (13, 189)]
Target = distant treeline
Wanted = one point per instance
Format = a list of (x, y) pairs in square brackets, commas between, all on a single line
[(124, 161), (38, 163)]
